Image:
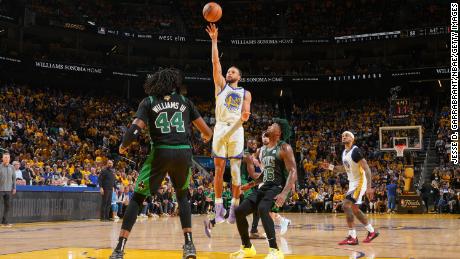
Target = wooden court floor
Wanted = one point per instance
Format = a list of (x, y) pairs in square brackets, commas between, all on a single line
[(309, 236)]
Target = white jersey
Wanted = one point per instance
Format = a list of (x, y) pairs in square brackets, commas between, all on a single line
[(229, 103), (355, 172)]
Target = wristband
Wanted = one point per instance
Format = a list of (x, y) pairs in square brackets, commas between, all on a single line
[(130, 135)]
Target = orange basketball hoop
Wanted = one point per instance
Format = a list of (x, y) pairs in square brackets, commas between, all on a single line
[(400, 150)]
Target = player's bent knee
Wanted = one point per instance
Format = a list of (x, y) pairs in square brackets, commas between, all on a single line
[(346, 205), (263, 209), (355, 209), (239, 212)]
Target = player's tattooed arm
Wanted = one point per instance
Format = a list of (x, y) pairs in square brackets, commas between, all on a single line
[(252, 184), (219, 80), (289, 161)]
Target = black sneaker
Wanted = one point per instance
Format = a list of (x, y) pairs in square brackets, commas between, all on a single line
[(189, 251), (117, 254)]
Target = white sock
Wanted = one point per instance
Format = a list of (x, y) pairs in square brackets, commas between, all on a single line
[(219, 200), (235, 202), (352, 233), (370, 228)]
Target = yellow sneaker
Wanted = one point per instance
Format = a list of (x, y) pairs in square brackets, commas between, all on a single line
[(274, 254), (244, 253)]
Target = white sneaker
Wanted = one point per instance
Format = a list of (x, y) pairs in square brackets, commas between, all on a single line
[(274, 254), (284, 223), (116, 217)]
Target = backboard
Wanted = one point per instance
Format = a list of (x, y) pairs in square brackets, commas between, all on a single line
[(411, 136)]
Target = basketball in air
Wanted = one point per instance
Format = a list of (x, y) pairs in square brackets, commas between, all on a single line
[(212, 12)]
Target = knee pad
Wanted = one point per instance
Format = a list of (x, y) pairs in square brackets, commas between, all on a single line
[(235, 165)]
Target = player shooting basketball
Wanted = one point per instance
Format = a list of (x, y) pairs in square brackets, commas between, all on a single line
[(232, 109), (359, 177)]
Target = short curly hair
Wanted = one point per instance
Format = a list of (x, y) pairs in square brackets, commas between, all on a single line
[(286, 130)]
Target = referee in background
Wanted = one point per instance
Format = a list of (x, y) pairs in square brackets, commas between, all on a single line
[(106, 185), (7, 186)]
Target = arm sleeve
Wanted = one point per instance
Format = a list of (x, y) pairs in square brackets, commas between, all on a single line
[(357, 155), (194, 113), (143, 110)]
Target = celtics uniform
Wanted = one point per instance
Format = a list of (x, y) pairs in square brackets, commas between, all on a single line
[(274, 175), (169, 121), (262, 200)]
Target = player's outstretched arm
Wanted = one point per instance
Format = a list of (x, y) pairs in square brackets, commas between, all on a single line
[(246, 109), (219, 80), (206, 132), (332, 167), (131, 134), (289, 161), (251, 184)]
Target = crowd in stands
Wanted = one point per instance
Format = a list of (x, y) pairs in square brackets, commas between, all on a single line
[(152, 17), (442, 144), (312, 18), (259, 18), (444, 189), (60, 138), (241, 19), (64, 139)]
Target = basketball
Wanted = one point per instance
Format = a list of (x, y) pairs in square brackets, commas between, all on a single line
[(212, 12)]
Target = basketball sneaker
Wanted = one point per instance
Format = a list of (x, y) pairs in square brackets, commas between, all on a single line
[(231, 215), (220, 213), (349, 241), (371, 236), (244, 253), (189, 251), (208, 225), (274, 253), (117, 254), (284, 223)]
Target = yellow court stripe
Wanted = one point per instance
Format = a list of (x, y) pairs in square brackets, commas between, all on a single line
[(93, 253)]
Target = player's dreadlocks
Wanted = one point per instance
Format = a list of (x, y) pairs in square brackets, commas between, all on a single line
[(163, 82), (285, 128)]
